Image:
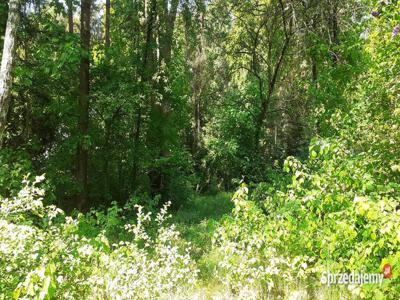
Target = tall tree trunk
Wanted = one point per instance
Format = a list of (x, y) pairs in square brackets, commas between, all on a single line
[(82, 153), (310, 10), (334, 29), (273, 75), (199, 83), (160, 130), (70, 16), (168, 22), (108, 122), (168, 16), (314, 27), (146, 74), (334, 22), (7, 63), (107, 25), (271, 88)]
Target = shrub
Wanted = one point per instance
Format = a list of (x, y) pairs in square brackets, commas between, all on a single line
[(252, 266), (44, 254)]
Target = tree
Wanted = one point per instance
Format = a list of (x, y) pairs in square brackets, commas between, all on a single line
[(70, 11), (84, 80), (196, 59), (7, 63), (274, 68), (260, 42), (107, 24), (146, 72), (161, 133)]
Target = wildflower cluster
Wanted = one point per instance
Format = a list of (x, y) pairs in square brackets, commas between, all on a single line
[(44, 254)]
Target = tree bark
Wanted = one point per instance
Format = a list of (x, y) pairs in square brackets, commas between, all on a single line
[(198, 84), (335, 22), (334, 28), (168, 20), (70, 16), (271, 89), (146, 74), (166, 39), (107, 25), (273, 78), (7, 63), (160, 113), (82, 153)]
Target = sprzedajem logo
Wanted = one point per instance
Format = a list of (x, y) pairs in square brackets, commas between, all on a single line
[(356, 278), (351, 278), (387, 271)]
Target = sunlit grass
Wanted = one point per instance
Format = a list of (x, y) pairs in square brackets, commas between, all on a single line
[(200, 208), (197, 221)]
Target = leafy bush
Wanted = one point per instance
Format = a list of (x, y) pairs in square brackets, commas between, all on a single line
[(14, 165), (157, 269), (45, 255), (340, 210), (252, 266), (338, 214)]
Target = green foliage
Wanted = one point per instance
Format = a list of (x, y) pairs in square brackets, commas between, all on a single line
[(295, 101), (251, 265), (342, 201), (347, 219), (46, 255), (14, 165), (340, 211)]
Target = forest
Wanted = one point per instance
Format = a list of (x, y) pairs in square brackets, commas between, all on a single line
[(200, 149)]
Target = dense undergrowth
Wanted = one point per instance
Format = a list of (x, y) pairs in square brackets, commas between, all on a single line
[(337, 209), (46, 254)]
